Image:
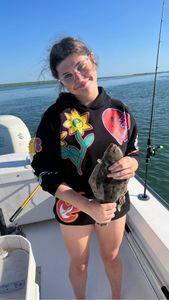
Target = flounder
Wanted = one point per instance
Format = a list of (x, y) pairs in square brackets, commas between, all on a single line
[(107, 189)]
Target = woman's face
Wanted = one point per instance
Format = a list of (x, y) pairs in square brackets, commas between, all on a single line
[(78, 74)]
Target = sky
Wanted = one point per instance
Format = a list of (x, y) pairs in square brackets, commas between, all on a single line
[(123, 34)]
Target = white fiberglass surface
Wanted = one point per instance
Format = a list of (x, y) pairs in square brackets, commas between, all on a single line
[(51, 256)]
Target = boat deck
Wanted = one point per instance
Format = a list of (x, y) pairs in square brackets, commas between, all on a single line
[(148, 221), (52, 261)]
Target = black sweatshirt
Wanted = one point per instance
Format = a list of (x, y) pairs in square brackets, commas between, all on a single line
[(71, 137)]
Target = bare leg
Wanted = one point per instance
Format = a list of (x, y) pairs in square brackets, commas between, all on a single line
[(77, 240), (110, 238)]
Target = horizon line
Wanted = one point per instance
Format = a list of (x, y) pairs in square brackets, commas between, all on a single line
[(99, 78)]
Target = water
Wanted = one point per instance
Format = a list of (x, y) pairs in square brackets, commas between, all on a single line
[(29, 102)]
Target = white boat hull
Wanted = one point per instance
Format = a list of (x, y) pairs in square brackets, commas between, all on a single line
[(144, 252)]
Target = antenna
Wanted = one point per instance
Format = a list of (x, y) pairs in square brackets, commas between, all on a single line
[(151, 151)]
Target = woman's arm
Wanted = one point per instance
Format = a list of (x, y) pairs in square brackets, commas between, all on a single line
[(101, 213)]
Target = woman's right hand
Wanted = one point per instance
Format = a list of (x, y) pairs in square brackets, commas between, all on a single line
[(101, 213)]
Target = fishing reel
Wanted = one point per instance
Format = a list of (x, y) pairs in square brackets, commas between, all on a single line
[(151, 151)]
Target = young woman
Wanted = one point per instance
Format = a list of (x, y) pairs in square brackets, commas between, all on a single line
[(74, 132)]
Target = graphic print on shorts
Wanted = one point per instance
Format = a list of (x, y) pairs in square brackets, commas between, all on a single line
[(76, 125), (117, 123), (66, 212)]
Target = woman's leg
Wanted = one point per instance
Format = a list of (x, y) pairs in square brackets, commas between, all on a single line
[(77, 240), (110, 238)]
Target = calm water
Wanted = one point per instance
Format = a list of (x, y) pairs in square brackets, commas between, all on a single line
[(29, 102)]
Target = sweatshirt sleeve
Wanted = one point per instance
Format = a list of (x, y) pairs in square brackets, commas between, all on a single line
[(132, 147), (46, 161)]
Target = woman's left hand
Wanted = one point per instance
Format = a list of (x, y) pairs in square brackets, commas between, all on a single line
[(124, 168)]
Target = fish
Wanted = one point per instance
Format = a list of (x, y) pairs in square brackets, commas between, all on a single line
[(105, 189)]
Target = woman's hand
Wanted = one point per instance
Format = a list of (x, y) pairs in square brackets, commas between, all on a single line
[(101, 213), (124, 168)]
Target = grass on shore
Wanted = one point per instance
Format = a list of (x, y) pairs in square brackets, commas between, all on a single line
[(54, 81)]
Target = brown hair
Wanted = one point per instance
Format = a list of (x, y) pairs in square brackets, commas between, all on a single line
[(64, 48)]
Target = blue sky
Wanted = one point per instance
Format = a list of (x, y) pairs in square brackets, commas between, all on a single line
[(123, 35)]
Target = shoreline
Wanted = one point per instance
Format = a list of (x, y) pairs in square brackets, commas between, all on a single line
[(99, 78)]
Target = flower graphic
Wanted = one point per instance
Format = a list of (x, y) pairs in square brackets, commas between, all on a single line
[(77, 123), (35, 145), (63, 134)]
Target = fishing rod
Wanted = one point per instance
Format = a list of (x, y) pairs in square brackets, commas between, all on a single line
[(32, 151), (151, 150), (18, 211)]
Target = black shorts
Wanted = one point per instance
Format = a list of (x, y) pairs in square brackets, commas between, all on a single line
[(67, 214)]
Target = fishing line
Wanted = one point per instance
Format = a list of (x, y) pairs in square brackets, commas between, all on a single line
[(151, 151)]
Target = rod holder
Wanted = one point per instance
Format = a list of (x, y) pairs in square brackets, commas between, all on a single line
[(143, 197)]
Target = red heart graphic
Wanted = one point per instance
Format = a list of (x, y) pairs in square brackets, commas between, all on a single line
[(117, 123)]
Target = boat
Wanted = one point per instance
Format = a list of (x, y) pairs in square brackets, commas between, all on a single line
[(33, 260)]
